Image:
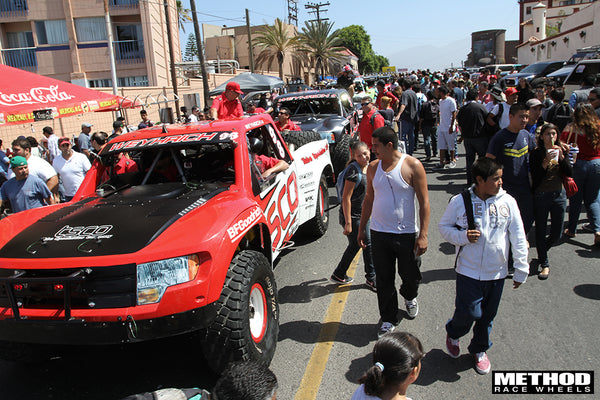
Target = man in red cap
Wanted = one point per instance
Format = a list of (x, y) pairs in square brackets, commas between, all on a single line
[(228, 104)]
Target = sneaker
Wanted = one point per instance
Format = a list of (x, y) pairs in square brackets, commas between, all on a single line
[(482, 363), (344, 280), (588, 228), (385, 328), (371, 285), (412, 307), (438, 167), (453, 347), (450, 165)]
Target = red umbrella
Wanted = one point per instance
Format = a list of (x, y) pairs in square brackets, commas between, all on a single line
[(28, 97)]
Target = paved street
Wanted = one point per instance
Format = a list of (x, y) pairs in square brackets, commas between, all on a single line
[(544, 325)]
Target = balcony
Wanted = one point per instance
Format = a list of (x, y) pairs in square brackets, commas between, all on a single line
[(13, 8), (123, 4), (22, 58), (129, 51)]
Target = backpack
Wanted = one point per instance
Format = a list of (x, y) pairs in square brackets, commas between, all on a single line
[(560, 115), (385, 121), (466, 196), (429, 112), (489, 130), (341, 179)]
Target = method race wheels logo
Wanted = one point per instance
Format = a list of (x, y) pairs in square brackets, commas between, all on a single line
[(81, 233), (543, 382)]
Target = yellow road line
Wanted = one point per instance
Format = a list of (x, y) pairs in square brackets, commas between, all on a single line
[(313, 374)]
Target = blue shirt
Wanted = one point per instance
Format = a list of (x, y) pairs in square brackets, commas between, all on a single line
[(4, 161), (84, 141), (25, 194), (512, 151)]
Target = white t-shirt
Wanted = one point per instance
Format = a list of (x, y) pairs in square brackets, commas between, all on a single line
[(72, 171), (38, 167), (504, 121), (193, 118), (360, 394), (53, 147), (447, 106)]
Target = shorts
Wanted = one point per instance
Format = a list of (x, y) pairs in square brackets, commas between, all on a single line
[(446, 140)]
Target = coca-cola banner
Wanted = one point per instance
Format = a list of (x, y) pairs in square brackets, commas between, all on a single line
[(22, 93)]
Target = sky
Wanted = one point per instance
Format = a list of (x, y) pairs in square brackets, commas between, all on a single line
[(434, 34)]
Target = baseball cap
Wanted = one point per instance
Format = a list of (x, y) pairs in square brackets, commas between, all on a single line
[(347, 68), (496, 93), (234, 86), (533, 103), (510, 91), (18, 161), (86, 125), (63, 139)]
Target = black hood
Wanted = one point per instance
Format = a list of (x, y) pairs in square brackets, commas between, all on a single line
[(119, 223), (323, 123)]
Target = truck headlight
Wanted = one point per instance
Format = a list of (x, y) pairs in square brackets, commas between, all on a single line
[(153, 278)]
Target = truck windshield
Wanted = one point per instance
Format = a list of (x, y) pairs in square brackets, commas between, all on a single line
[(314, 105)]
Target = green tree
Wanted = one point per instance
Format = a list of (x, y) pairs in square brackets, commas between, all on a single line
[(183, 15), (320, 45), (356, 39), (381, 62), (273, 42), (191, 51)]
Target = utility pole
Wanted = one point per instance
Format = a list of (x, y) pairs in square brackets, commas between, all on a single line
[(200, 48), (293, 12), (111, 52), (250, 53), (171, 54), (317, 8)]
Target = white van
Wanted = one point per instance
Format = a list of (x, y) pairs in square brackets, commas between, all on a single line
[(582, 69)]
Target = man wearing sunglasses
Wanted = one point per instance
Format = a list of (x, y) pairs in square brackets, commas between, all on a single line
[(284, 123), (366, 126), (71, 166)]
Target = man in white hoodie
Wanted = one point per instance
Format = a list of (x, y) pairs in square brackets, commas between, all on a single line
[(482, 258)]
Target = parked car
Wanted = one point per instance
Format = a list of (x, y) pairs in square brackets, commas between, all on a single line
[(558, 77), (184, 244), (533, 71), (582, 69), (329, 113)]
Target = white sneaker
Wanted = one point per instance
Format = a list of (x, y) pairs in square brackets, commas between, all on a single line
[(385, 328), (450, 165), (412, 307)]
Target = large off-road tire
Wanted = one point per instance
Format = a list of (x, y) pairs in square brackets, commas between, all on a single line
[(318, 225), (246, 325), (296, 139), (341, 153)]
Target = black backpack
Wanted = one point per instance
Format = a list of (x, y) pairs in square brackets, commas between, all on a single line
[(560, 115), (385, 121), (429, 112)]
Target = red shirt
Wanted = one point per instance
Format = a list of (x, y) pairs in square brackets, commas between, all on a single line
[(586, 151), (264, 162), (291, 126), (388, 94), (366, 129), (227, 108)]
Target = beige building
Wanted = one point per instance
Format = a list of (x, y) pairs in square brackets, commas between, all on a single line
[(68, 40), (553, 30)]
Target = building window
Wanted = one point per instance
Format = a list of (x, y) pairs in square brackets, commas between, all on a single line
[(17, 40), (122, 82), (528, 10), (52, 32), (548, 52), (90, 29)]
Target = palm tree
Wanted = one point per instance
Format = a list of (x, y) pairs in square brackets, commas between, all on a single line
[(183, 15), (320, 45), (274, 41)]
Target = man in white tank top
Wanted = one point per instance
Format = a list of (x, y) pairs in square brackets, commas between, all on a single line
[(394, 180)]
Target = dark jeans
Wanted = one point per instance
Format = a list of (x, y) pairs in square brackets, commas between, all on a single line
[(476, 301), (353, 248), (474, 146), (430, 139), (389, 249), (525, 202), (555, 204), (407, 128)]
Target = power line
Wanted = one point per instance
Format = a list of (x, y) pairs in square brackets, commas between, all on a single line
[(317, 11)]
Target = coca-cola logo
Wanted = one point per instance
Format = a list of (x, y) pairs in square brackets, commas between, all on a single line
[(34, 96)]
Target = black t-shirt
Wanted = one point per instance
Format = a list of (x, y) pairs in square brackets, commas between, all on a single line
[(471, 119), (409, 100), (358, 194), (387, 114), (345, 81)]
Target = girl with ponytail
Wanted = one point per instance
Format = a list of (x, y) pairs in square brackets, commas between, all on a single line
[(396, 364)]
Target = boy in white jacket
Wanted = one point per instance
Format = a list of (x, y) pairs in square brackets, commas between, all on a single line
[(482, 258)]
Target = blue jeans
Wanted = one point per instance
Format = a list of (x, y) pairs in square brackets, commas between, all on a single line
[(408, 135), (555, 204), (587, 178), (389, 250), (476, 301), (430, 139), (525, 202), (474, 146), (353, 248)]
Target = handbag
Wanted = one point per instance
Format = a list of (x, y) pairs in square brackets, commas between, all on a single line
[(568, 182)]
